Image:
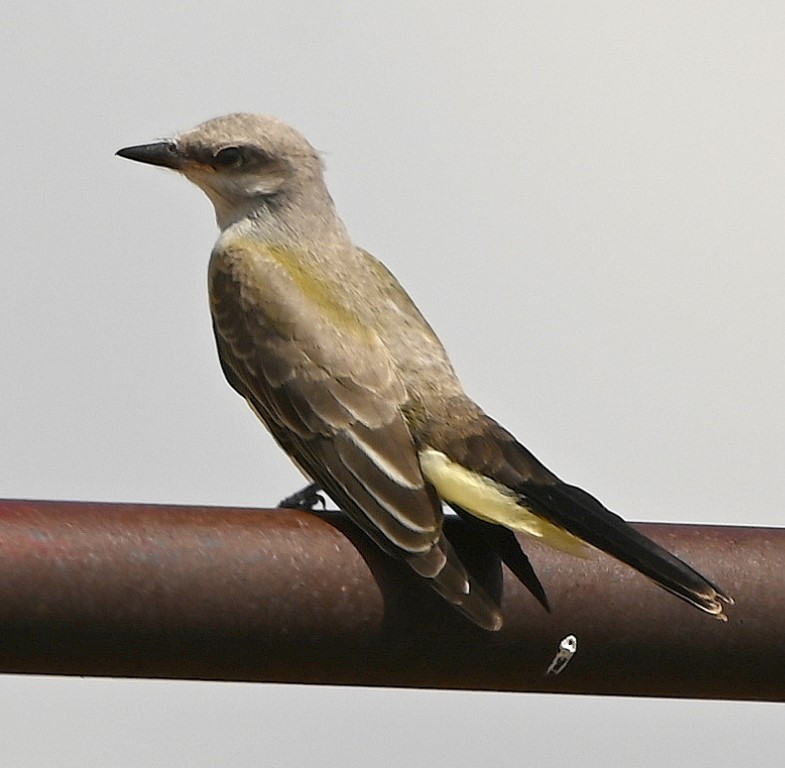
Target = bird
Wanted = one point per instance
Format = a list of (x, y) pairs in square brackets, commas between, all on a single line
[(334, 357)]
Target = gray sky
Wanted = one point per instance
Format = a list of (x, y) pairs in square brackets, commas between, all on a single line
[(586, 200)]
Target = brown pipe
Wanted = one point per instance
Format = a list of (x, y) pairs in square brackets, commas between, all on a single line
[(290, 596)]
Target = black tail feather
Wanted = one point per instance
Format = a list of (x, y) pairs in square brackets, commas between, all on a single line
[(504, 543), (582, 515)]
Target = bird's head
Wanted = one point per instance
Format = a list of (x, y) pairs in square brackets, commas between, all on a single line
[(242, 162)]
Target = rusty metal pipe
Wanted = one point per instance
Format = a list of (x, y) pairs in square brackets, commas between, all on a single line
[(288, 596)]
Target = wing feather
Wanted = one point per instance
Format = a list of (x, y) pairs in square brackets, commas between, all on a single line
[(332, 399)]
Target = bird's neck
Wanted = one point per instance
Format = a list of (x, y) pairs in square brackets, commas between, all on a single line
[(302, 220)]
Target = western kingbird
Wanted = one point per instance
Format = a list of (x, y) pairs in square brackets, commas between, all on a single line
[(336, 360)]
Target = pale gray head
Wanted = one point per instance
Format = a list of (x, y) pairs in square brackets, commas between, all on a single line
[(245, 164)]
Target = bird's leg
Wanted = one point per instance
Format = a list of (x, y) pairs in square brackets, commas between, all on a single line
[(305, 498)]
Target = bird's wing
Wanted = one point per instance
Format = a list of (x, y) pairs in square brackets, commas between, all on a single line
[(323, 384), (493, 457)]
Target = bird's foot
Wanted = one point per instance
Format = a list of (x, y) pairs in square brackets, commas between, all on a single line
[(306, 498)]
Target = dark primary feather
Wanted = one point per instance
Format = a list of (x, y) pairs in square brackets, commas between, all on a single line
[(505, 544)]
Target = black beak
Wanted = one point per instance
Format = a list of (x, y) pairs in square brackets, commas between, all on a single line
[(162, 153)]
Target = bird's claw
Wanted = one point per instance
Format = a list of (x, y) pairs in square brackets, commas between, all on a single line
[(306, 498)]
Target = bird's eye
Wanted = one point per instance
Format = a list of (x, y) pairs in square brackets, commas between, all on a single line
[(227, 157)]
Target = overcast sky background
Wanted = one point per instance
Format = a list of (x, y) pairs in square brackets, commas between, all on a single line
[(586, 199)]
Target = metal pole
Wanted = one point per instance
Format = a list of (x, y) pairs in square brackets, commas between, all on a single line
[(290, 596)]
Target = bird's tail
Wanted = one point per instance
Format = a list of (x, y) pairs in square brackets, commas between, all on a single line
[(447, 575), (582, 515)]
